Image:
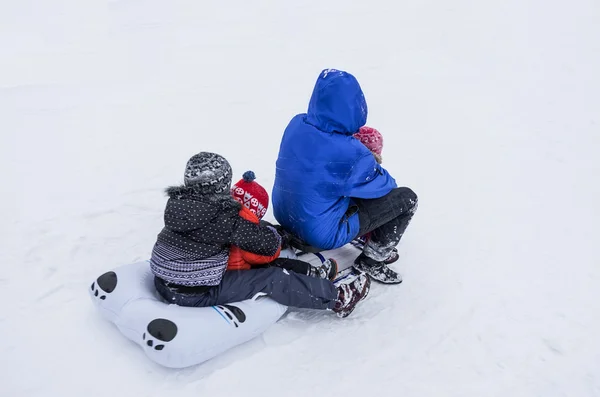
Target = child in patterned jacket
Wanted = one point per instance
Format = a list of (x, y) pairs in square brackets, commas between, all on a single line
[(202, 223)]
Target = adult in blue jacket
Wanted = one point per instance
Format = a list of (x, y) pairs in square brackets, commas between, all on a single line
[(328, 187)]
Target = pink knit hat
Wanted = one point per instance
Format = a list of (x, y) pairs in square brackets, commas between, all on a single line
[(371, 138)]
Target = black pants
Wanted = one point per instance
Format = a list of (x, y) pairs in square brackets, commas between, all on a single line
[(385, 218), (295, 265), (283, 286)]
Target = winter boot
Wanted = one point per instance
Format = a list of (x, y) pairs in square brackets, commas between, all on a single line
[(378, 271), (327, 270), (349, 294), (394, 256), (360, 243)]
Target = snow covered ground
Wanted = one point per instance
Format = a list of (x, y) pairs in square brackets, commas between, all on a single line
[(490, 111)]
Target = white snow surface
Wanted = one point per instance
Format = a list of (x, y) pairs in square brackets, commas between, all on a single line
[(490, 112)]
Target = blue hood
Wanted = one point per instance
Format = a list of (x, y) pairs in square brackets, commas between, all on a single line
[(337, 103)]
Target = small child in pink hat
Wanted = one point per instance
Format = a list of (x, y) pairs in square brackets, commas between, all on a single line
[(372, 139)]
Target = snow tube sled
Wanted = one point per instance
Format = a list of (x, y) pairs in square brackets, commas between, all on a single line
[(171, 335)]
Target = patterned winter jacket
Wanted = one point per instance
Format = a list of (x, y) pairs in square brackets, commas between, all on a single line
[(244, 260), (193, 248)]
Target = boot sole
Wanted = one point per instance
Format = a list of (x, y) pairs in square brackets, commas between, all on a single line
[(374, 279), (384, 282)]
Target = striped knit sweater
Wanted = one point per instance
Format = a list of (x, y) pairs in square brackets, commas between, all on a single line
[(192, 249)]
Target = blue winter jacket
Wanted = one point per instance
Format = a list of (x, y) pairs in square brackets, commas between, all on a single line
[(321, 166)]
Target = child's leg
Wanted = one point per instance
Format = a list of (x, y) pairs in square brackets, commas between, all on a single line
[(327, 269), (285, 287), (295, 265), (386, 219)]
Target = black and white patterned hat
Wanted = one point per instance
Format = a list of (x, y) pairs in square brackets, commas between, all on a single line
[(208, 172)]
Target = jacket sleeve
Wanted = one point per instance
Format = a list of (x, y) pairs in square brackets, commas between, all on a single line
[(254, 259), (257, 239), (367, 179)]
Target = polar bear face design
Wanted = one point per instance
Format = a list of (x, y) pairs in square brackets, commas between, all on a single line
[(105, 284)]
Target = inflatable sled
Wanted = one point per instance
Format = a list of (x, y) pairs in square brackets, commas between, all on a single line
[(344, 255), (171, 335)]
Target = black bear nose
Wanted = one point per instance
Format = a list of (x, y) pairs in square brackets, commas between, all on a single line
[(108, 281), (162, 329)]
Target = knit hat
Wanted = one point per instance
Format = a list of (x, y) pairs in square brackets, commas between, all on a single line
[(209, 173), (251, 195), (371, 138)]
